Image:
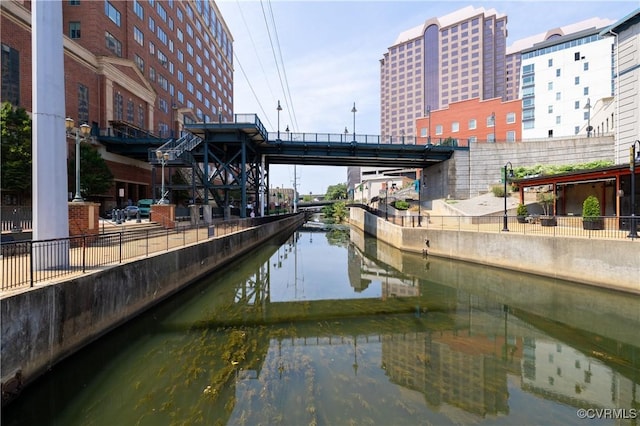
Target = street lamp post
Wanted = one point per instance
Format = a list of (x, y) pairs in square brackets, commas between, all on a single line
[(279, 108), (163, 158), (287, 130), (633, 232), (386, 199), (354, 110), (429, 129), (493, 121), (420, 202), (346, 132), (506, 178), (84, 129)]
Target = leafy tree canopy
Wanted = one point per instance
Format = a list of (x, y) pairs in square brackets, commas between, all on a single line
[(337, 192), (95, 176), (15, 138)]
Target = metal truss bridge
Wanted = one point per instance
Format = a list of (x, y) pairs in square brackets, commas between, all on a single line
[(231, 158)]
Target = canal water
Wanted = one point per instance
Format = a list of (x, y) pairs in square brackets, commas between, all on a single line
[(336, 328)]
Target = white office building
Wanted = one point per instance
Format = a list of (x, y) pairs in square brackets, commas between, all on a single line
[(564, 79)]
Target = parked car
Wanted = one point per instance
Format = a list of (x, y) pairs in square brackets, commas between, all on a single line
[(131, 212), (144, 205)]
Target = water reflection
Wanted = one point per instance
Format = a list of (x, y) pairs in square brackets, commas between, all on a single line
[(338, 328)]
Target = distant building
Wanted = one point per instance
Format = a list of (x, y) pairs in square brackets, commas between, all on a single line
[(626, 71), (449, 59), (564, 75), (472, 120)]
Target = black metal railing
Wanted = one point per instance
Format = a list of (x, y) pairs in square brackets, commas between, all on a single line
[(603, 227), (26, 263)]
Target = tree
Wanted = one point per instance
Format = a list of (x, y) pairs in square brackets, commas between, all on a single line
[(15, 140), (337, 192), (95, 176)]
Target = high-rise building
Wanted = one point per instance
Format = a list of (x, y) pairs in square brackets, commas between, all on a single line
[(566, 72), (142, 67), (456, 57)]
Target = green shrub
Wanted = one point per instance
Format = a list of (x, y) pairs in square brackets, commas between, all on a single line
[(498, 190), (591, 208), (522, 210), (401, 205)]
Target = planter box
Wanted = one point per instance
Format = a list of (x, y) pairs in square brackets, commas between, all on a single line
[(548, 221), (596, 224)]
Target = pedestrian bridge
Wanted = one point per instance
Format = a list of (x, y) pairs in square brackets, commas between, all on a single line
[(235, 155)]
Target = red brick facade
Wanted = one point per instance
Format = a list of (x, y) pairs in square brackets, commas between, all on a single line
[(186, 74), (84, 219), (508, 122)]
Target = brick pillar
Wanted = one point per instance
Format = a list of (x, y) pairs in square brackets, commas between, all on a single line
[(164, 214), (84, 218)]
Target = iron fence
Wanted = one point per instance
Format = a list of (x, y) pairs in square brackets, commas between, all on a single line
[(26, 263), (603, 227), (15, 218)]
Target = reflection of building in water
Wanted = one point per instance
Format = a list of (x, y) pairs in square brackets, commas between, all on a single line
[(460, 371), (559, 372), (363, 271)]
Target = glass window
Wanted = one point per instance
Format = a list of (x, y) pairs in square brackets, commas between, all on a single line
[(491, 120), (152, 24), (113, 44), (472, 124), (550, 85), (576, 105), (74, 29), (558, 119), (137, 9), (455, 126), (130, 111), (558, 96), (112, 13), (577, 80), (558, 72), (511, 117), (162, 35), (161, 12), (141, 116), (439, 129), (550, 62), (585, 66), (511, 136), (140, 63), (550, 109), (83, 104), (138, 36), (585, 91), (118, 106)]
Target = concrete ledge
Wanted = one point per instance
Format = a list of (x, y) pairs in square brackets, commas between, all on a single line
[(609, 264), (43, 325)]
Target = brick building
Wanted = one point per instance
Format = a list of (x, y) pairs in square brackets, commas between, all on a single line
[(473, 120), (131, 68)]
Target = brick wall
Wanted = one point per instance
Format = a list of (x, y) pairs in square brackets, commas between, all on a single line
[(84, 218)]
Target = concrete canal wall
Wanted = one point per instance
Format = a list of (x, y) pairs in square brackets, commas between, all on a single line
[(43, 325), (613, 264)]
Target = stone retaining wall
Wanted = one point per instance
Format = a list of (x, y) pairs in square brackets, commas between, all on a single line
[(43, 325), (602, 263)]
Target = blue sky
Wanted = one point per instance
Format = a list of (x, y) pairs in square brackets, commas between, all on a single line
[(329, 53)]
